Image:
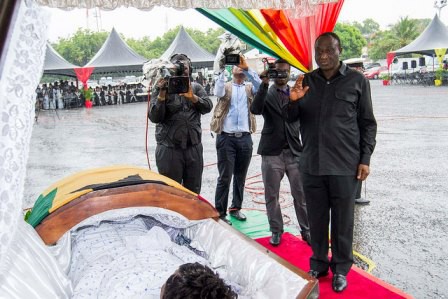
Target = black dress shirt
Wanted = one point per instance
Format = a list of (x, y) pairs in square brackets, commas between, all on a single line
[(337, 124), (178, 119)]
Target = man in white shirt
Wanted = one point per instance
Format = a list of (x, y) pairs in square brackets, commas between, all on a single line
[(234, 123)]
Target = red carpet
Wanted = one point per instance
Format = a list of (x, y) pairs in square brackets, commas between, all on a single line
[(360, 283)]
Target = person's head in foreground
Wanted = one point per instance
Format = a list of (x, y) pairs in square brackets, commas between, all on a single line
[(196, 281)]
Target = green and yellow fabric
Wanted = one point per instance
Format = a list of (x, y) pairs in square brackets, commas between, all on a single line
[(74, 186)]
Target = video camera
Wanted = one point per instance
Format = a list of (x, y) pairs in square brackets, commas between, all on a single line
[(232, 59), (177, 81), (273, 73)]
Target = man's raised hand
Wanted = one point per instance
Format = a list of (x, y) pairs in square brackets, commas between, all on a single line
[(298, 91), (243, 63)]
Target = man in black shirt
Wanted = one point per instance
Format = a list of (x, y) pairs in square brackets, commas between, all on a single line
[(178, 130), (338, 131), (280, 149)]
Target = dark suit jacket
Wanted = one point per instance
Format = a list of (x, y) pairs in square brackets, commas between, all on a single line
[(277, 131)]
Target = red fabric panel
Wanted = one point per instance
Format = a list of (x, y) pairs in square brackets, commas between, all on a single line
[(83, 74), (360, 283), (283, 28), (308, 28), (390, 57), (327, 16)]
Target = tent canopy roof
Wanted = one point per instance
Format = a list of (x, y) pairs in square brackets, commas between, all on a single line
[(115, 55), (184, 44), (55, 64), (435, 36)]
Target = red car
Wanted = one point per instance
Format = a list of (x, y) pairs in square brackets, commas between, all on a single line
[(374, 72)]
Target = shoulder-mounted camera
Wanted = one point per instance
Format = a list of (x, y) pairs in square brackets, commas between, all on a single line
[(177, 81)]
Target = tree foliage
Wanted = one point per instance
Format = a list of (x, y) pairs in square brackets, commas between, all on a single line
[(397, 36), (81, 47), (352, 40), (368, 27), (84, 44)]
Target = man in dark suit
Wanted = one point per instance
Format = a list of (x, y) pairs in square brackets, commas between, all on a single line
[(280, 149)]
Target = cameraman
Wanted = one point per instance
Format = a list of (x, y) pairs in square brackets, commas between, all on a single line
[(280, 149), (234, 123), (178, 129)]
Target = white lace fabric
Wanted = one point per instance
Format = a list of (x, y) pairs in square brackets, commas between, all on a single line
[(20, 75), (178, 4)]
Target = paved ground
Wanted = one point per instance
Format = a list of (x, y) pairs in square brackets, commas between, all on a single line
[(405, 228)]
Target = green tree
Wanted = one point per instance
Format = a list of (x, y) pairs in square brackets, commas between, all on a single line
[(81, 47), (84, 44), (153, 49), (368, 27), (381, 44), (405, 31), (422, 24), (142, 46), (352, 40), (399, 35), (207, 40)]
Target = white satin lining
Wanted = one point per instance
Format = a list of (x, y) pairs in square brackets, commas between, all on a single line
[(33, 270)]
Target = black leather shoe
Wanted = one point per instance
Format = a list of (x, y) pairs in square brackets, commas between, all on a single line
[(317, 274), (225, 220), (275, 239), (237, 215), (306, 237), (339, 283)]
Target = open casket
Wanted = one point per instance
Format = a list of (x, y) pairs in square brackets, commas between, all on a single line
[(120, 232)]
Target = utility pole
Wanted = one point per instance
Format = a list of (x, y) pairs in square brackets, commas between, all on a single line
[(97, 16), (87, 18), (166, 20)]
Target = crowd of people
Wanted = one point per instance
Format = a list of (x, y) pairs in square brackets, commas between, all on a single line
[(62, 94), (321, 133)]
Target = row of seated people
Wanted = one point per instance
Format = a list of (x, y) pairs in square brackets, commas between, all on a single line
[(57, 97), (118, 95)]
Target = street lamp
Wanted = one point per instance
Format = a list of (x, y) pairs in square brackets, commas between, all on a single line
[(439, 4)]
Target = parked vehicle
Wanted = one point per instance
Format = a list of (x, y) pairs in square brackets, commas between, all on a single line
[(374, 72), (371, 65)]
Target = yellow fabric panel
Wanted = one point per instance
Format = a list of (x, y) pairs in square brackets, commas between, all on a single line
[(440, 53), (258, 17), (267, 35), (104, 175)]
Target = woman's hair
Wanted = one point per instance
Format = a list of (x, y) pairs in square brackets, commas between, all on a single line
[(196, 281)]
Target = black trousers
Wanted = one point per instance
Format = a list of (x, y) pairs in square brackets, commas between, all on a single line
[(234, 155), (335, 196), (185, 166)]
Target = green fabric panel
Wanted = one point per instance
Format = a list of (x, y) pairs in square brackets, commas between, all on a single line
[(41, 208), (230, 22), (256, 226)]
